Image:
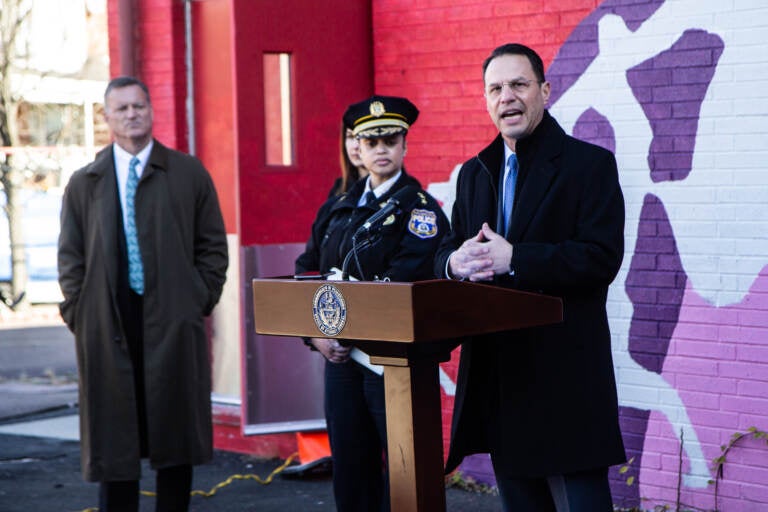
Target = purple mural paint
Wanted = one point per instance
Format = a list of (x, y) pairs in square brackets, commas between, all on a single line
[(671, 97)]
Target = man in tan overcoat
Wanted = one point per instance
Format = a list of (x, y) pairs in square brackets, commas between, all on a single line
[(142, 260)]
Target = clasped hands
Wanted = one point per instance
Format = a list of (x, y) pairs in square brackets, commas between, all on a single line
[(332, 350), (481, 257), (478, 259)]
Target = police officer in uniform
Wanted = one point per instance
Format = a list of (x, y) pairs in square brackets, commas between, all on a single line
[(397, 247)]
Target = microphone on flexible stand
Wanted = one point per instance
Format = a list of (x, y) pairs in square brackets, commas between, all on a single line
[(368, 233), (366, 243), (373, 224)]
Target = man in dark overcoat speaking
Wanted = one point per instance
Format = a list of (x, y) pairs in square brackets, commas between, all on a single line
[(538, 211)]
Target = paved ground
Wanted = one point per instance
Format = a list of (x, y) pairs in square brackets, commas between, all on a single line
[(42, 474), (39, 448), (38, 351)]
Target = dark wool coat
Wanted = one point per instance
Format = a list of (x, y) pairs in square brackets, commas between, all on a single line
[(184, 251), (543, 400)]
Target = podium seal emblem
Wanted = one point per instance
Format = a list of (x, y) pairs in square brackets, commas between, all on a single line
[(329, 310)]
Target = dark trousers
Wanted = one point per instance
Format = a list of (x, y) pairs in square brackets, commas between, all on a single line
[(584, 491), (173, 487), (356, 417), (132, 312), (173, 483)]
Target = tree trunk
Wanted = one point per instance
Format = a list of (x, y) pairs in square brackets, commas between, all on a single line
[(16, 237), (11, 185)]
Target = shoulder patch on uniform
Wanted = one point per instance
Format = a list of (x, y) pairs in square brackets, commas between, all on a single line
[(423, 223)]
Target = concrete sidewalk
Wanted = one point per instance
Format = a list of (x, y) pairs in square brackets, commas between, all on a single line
[(40, 450), (36, 315)]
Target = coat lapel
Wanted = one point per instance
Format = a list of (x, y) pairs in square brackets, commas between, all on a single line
[(104, 198), (545, 144), (531, 196), (158, 160), (486, 209)]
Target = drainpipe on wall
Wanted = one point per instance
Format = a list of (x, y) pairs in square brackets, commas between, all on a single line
[(190, 77), (126, 45)]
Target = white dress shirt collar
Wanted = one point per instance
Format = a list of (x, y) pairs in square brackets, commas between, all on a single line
[(380, 190), (123, 158)]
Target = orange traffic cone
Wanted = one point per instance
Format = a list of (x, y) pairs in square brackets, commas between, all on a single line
[(314, 455)]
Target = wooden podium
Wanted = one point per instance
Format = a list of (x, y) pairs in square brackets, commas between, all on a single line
[(408, 328)]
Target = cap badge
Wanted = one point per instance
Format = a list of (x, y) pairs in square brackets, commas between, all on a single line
[(377, 109)]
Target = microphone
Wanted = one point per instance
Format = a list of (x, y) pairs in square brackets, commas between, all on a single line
[(368, 234), (373, 224)]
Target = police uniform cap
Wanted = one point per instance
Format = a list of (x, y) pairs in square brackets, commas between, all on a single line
[(381, 116)]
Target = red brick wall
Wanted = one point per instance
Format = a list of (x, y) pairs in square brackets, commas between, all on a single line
[(432, 52), (113, 37), (158, 46)]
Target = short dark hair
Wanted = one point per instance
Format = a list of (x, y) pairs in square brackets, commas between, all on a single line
[(518, 49), (125, 81)]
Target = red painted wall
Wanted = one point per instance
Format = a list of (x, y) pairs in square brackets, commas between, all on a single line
[(432, 53), (215, 102), (158, 43), (330, 68), (113, 38)]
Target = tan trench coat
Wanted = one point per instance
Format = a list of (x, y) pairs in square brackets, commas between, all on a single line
[(184, 250)]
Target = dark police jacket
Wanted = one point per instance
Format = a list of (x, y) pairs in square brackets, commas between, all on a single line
[(543, 399), (407, 244)]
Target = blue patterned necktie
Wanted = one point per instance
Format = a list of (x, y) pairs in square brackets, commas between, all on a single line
[(135, 266), (509, 191)]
